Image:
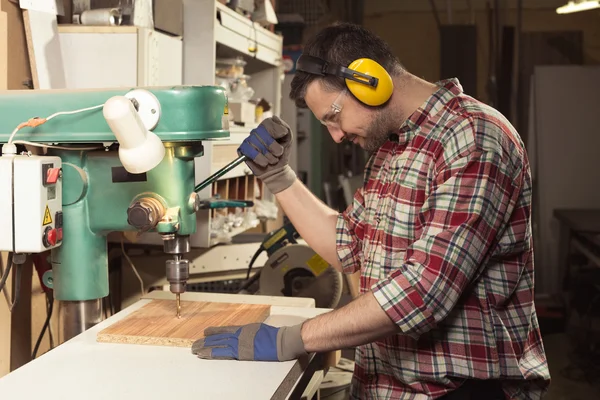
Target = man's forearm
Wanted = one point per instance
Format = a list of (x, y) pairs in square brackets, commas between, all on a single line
[(313, 220), (360, 322)]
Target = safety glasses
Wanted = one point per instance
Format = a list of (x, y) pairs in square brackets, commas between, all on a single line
[(332, 118)]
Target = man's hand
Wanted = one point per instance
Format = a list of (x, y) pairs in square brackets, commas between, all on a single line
[(268, 151), (253, 342)]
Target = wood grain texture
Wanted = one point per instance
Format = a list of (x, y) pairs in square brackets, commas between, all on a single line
[(156, 323)]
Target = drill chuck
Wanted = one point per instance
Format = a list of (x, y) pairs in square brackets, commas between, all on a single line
[(178, 272)]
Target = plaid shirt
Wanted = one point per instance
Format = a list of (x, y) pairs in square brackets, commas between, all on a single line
[(441, 232)]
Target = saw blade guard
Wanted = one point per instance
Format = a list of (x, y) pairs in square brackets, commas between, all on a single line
[(297, 271)]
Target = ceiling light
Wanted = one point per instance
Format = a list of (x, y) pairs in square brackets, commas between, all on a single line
[(575, 6)]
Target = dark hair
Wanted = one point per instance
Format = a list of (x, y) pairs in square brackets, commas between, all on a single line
[(341, 44)]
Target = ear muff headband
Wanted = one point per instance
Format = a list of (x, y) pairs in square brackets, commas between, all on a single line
[(366, 79)]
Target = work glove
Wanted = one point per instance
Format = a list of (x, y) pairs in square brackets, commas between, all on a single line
[(252, 342), (268, 151)]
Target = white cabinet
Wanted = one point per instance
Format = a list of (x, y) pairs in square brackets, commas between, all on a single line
[(122, 56)]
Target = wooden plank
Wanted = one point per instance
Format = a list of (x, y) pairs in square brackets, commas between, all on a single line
[(18, 71), (156, 323), (3, 51)]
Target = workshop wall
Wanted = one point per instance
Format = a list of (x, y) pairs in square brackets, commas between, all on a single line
[(414, 36)]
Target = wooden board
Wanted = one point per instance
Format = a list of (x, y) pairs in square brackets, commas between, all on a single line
[(156, 323), (18, 73), (3, 51)]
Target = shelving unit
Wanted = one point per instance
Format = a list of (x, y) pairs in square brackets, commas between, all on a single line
[(211, 31), (144, 57)]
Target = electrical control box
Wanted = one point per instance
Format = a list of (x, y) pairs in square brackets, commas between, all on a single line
[(31, 209)]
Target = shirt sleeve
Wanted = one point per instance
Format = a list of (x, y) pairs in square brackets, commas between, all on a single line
[(350, 232), (471, 201)]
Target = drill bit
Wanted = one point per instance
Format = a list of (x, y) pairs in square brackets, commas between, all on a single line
[(178, 296)]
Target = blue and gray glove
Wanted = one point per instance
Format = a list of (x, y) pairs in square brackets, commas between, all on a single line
[(252, 342), (268, 151)]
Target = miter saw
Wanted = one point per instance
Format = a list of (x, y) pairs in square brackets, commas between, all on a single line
[(295, 270)]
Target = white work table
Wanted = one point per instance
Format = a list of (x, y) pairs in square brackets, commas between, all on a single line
[(82, 368)]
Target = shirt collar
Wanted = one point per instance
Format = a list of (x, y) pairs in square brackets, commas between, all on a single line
[(446, 91)]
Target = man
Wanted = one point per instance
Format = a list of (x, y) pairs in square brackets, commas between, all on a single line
[(441, 232)]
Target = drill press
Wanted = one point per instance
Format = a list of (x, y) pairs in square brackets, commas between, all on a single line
[(115, 160)]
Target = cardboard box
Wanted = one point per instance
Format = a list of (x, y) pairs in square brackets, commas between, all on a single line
[(168, 16)]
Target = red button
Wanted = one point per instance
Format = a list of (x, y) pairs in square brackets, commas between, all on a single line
[(59, 234), (52, 175), (52, 237)]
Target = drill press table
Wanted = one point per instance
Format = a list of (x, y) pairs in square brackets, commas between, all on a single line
[(82, 368)]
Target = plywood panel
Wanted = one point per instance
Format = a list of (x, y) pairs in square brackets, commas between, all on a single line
[(18, 70), (3, 51), (156, 323)]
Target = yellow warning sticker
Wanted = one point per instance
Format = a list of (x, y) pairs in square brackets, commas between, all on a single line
[(317, 264), (47, 217), (274, 239)]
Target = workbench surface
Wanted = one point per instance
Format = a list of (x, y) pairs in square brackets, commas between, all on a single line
[(82, 368)]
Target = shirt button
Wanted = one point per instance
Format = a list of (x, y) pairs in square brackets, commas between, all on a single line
[(370, 378)]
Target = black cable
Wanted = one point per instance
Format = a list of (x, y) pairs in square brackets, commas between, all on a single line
[(250, 281), (254, 257), (49, 307), (7, 272), (18, 274), (11, 303), (50, 300)]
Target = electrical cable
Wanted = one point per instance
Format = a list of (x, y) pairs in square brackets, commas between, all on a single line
[(252, 260), (49, 307), (132, 265), (51, 146), (5, 275), (34, 122), (18, 273), (250, 281)]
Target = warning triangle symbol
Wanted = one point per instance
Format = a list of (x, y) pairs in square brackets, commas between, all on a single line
[(47, 217)]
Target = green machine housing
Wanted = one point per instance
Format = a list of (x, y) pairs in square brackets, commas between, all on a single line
[(99, 195)]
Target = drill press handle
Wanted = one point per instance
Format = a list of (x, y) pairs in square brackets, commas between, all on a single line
[(216, 203)]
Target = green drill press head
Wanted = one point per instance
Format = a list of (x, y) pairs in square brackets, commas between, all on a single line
[(100, 195)]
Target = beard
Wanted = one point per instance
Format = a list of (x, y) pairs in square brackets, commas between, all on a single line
[(379, 130)]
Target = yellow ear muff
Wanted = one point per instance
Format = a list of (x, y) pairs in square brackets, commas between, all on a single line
[(371, 96)]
